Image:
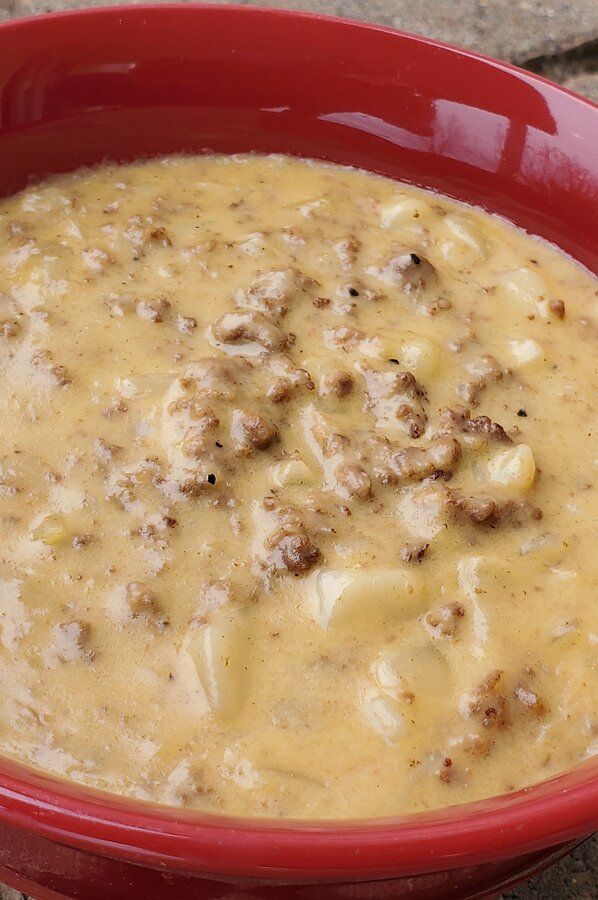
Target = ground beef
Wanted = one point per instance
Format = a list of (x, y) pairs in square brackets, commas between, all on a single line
[(458, 418)]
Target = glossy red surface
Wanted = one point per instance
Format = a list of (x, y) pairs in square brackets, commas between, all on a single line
[(77, 88)]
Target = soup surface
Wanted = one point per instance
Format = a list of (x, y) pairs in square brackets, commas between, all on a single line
[(298, 491)]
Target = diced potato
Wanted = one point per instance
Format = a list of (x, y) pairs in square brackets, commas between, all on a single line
[(418, 670), (152, 384), (526, 354), (355, 596), (467, 232), (466, 241), (567, 635), (291, 472), (220, 652), (419, 355), (239, 769), (405, 211), (482, 581), (52, 531), (481, 576), (317, 365), (384, 714), (422, 509), (528, 288), (544, 549), (513, 470)]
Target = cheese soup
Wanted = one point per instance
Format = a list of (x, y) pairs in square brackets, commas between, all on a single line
[(298, 491)]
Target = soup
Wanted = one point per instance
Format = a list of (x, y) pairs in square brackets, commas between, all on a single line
[(297, 491)]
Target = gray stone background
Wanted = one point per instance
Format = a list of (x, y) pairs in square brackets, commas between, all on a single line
[(558, 39)]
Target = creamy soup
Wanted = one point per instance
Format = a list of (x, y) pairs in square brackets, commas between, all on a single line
[(298, 491)]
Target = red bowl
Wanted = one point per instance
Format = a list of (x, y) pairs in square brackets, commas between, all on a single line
[(76, 88)]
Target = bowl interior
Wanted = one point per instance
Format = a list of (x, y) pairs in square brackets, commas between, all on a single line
[(79, 88)]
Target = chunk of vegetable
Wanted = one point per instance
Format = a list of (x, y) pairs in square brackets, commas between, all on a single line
[(544, 549), (465, 242), (291, 472), (526, 353), (422, 510), (405, 211), (220, 652), (374, 597), (418, 355), (480, 577), (414, 672), (528, 288), (384, 714), (149, 385), (513, 470), (51, 531)]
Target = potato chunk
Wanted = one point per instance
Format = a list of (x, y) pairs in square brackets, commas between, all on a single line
[(466, 239), (409, 680), (406, 211), (413, 673), (153, 385), (51, 531), (354, 596), (420, 356), (528, 289), (291, 472), (220, 653), (415, 353), (422, 509), (526, 354), (513, 470), (383, 714)]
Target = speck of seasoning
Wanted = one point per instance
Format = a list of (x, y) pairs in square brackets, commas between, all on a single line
[(353, 292), (218, 444), (211, 478), (522, 413), (415, 258), (394, 360)]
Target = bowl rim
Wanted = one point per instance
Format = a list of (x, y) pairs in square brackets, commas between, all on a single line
[(561, 809), (256, 10)]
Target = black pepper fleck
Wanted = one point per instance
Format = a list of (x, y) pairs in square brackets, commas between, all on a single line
[(522, 413), (211, 478), (394, 360), (415, 258), (218, 444), (353, 292)]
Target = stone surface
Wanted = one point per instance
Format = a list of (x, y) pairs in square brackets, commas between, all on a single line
[(556, 38), (586, 84), (7, 893), (518, 30), (573, 878)]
